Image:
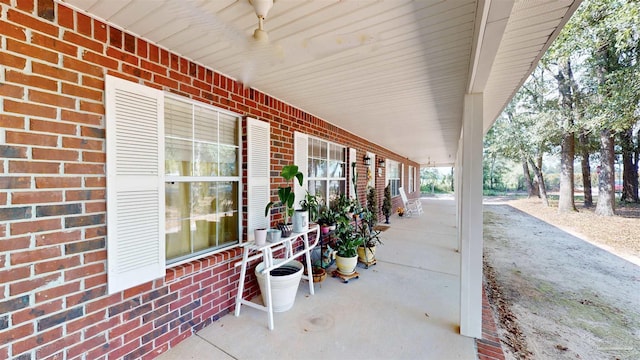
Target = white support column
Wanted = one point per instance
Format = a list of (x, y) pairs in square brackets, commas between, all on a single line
[(471, 219), (457, 190)]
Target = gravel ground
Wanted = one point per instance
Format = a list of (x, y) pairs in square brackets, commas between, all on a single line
[(563, 286)]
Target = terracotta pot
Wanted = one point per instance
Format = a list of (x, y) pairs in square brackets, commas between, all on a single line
[(319, 274)]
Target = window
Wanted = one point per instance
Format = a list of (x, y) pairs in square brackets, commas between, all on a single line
[(135, 184), (411, 179), (173, 191), (202, 178), (393, 177), (326, 169)]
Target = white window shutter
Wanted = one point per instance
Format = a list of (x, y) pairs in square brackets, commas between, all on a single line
[(352, 158), (258, 169), (135, 184), (301, 158), (401, 175)]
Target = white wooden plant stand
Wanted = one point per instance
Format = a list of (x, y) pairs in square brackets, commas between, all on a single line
[(266, 253)]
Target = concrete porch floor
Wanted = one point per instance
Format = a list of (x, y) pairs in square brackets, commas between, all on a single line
[(404, 307)]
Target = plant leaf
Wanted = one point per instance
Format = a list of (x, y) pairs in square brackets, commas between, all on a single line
[(289, 171), (267, 208), (300, 177), (291, 197)]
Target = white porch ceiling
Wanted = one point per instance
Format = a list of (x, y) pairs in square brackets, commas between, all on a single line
[(394, 72)]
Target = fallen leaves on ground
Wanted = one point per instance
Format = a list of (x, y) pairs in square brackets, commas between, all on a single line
[(514, 338)]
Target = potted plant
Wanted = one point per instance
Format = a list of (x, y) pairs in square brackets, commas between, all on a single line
[(348, 240), (370, 238), (400, 211), (287, 196), (327, 219), (342, 205), (386, 204), (311, 204)]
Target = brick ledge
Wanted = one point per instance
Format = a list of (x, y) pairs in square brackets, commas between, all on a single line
[(489, 347)]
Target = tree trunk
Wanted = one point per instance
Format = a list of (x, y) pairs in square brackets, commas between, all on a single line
[(566, 202), (493, 163), (586, 169), (637, 162), (531, 188), (606, 180), (537, 170), (630, 168)]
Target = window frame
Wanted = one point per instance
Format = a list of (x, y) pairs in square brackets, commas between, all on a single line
[(209, 179), (394, 182), (327, 179)]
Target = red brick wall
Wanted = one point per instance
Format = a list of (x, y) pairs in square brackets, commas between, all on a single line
[(53, 301)]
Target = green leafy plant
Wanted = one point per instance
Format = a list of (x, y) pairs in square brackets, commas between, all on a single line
[(286, 194), (342, 205), (327, 216), (311, 204), (347, 210), (348, 238), (370, 237)]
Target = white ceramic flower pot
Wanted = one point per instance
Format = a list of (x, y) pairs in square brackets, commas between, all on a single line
[(283, 287), (260, 236), (346, 266)]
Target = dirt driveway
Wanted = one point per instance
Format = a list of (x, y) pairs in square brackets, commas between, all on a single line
[(570, 299)]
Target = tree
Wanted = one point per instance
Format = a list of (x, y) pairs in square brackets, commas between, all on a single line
[(532, 188), (608, 37), (596, 94), (494, 167), (430, 176), (586, 145), (630, 167), (525, 129), (564, 77)]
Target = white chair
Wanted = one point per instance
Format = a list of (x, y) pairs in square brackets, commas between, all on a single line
[(412, 207)]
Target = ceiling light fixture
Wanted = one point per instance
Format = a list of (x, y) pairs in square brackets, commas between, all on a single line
[(262, 8)]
